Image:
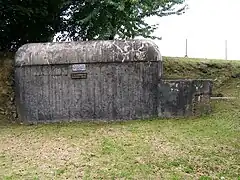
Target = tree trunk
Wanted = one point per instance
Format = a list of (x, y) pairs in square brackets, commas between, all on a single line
[(111, 37)]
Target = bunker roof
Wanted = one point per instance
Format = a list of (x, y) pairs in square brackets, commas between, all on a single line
[(87, 52)]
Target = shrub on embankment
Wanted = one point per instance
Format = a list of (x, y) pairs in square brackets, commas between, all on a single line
[(6, 86)]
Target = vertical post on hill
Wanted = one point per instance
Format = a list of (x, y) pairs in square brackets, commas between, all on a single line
[(226, 50), (186, 49)]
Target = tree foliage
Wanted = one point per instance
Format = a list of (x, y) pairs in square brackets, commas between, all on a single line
[(24, 21), (109, 19)]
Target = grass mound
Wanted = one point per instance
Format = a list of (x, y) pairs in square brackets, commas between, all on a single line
[(225, 74)]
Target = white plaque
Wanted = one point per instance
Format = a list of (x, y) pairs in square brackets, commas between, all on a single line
[(78, 67)]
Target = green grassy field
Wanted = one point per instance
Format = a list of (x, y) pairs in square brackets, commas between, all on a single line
[(201, 148)]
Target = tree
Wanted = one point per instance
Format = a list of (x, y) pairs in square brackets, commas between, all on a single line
[(24, 21), (110, 19)]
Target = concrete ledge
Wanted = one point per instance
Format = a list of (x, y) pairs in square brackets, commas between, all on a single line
[(223, 98), (184, 97)]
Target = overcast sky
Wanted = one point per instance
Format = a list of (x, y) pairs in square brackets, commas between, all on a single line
[(206, 25)]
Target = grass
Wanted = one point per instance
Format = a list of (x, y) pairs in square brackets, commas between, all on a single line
[(201, 148), (204, 148), (222, 72)]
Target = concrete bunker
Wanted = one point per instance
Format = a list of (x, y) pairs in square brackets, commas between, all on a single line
[(98, 80), (87, 80)]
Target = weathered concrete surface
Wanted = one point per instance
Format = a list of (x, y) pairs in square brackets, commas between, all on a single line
[(118, 80), (184, 97), (87, 52), (101, 80)]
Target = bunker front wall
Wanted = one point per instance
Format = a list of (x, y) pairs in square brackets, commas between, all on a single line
[(108, 92)]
